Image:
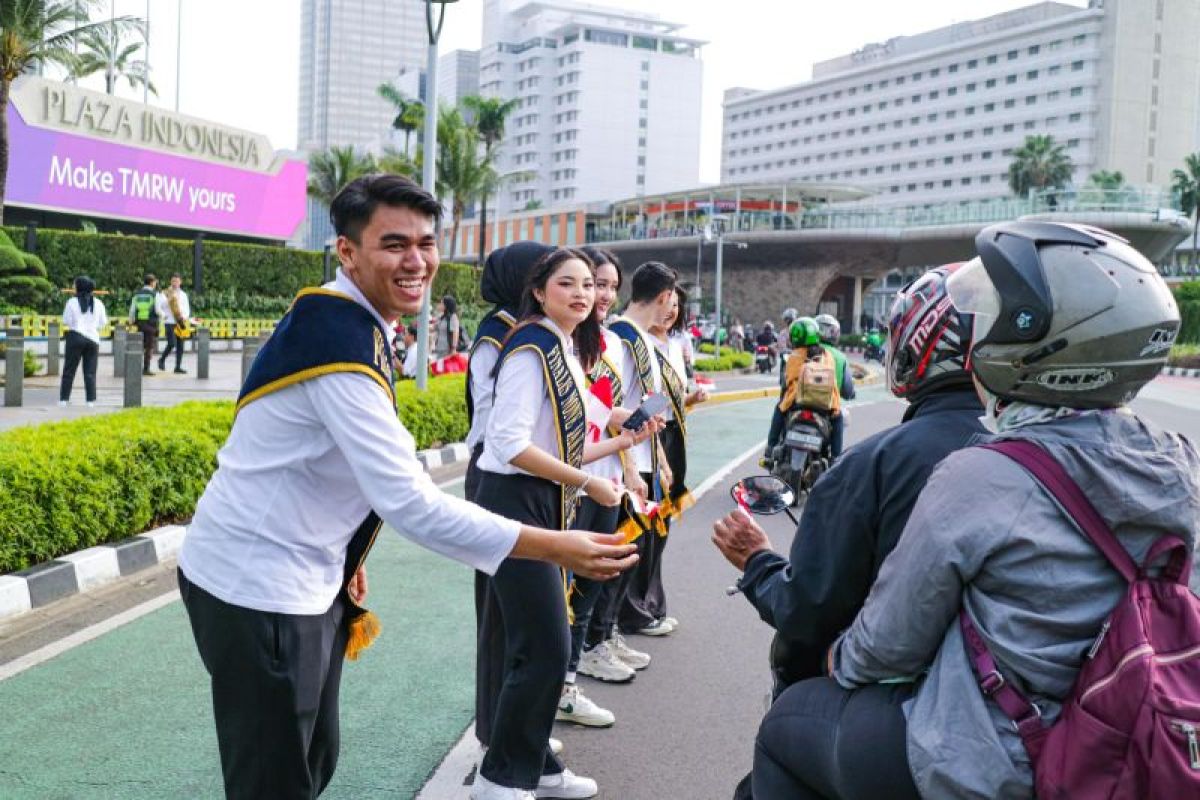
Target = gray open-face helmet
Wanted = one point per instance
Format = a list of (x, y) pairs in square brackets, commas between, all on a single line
[(1065, 315)]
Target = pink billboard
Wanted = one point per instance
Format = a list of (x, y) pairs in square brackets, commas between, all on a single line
[(94, 172)]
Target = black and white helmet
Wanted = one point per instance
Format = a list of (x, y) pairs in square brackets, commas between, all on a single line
[(1065, 315), (929, 340)]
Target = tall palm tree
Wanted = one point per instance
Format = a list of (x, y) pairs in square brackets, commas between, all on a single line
[(1106, 188), (410, 114), (103, 51), (35, 33), (491, 113), (465, 172), (1040, 163), (1187, 183), (401, 163), (1109, 181), (330, 170)]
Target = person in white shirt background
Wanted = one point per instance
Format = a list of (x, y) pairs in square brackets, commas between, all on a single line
[(528, 471), (409, 369), (263, 564), (84, 317), (173, 309)]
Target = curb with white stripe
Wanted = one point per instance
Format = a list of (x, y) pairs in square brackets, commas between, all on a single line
[(1181, 372)]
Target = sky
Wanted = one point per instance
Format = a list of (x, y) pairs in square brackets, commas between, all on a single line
[(239, 59)]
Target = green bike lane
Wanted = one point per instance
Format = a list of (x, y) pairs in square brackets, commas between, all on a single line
[(127, 715)]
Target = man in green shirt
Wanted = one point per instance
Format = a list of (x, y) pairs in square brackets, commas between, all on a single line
[(831, 331)]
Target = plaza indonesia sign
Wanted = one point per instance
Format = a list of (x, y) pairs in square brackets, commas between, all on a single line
[(76, 151)]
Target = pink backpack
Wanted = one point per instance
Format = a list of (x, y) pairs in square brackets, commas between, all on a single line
[(1130, 727)]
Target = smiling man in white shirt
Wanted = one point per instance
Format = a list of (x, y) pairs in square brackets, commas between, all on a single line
[(271, 568)]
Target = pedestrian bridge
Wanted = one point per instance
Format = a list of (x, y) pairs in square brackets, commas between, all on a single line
[(830, 254)]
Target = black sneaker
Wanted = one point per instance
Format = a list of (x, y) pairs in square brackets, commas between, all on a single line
[(180, 371), (162, 364), (148, 371)]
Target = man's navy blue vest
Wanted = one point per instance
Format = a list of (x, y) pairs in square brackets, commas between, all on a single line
[(322, 333)]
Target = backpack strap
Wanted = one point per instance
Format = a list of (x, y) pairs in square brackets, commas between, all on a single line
[(1026, 717)]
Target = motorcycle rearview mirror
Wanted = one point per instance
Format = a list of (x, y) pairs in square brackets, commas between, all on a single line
[(763, 494)]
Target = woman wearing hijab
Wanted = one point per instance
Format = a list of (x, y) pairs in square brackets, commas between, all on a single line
[(503, 283), (84, 317)]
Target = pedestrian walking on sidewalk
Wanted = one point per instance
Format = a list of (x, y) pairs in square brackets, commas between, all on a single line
[(175, 311), (84, 317), (143, 314)]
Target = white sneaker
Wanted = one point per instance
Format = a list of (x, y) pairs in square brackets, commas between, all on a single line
[(483, 789), (602, 664), (634, 658), (656, 628), (574, 707), (566, 784), (674, 623), (62, 403), (556, 746), (91, 404)]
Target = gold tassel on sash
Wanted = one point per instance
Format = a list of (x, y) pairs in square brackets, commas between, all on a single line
[(568, 590), (364, 630)]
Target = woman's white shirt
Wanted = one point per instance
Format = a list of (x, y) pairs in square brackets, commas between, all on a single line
[(610, 466), (87, 325), (631, 385), (483, 361), (672, 350), (521, 412)]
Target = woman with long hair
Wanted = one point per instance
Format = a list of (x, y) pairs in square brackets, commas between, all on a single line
[(448, 330), (598, 650), (535, 446), (84, 317)]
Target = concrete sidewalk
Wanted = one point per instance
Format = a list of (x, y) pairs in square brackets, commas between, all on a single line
[(161, 389)]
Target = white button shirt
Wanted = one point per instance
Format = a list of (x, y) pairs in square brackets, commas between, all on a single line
[(163, 306), (301, 469), (631, 383), (672, 350), (87, 325), (521, 413), (483, 360), (609, 466)]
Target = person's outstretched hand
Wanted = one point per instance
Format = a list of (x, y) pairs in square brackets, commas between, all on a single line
[(738, 537), (598, 556)]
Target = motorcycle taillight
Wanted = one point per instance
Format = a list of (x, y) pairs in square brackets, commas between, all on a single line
[(806, 415)]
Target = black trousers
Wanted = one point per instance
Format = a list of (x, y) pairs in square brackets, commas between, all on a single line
[(173, 343), (489, 630), (822, 741), (149, 331), (646, 599), (79, 348), (537, 641), (275, 682), (586, 593), (613, 593)]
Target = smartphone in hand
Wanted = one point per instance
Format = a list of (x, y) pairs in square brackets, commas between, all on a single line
[(653, 404)]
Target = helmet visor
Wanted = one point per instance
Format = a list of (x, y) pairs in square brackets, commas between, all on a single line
[(972, 292)]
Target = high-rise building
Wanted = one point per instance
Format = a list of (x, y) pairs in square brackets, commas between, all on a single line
[(608, 101), (936, 116), (458, 76), (348, 48)]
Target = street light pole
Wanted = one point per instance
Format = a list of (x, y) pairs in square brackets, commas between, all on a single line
[(429, 172), (720, 265), (146, 72)]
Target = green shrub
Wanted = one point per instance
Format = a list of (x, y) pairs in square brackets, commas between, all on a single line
[(23, 279), (437, 416), (71, 485), (34, 265), (1185, 355), (11, 262), (1187, 295), (30, 363), (5, 240), (852, 340), (727, 361)]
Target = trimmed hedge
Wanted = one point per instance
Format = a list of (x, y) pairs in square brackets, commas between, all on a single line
[(71, 485), (725, 362), (437, 416), (1188, 297), (1185, 355)]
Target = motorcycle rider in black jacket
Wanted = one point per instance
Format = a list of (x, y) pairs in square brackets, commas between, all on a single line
[(857, 510)]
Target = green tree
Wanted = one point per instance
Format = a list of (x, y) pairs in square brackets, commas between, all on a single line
[(330, 170), (465, 171), (1186, 182), (1039, 163), (1109, 181), (35, 33), (410, 114), (104, 51), (400, 163), (491, 114)]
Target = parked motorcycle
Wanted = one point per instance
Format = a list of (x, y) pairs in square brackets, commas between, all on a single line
[(802, 455), (873, 352)]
